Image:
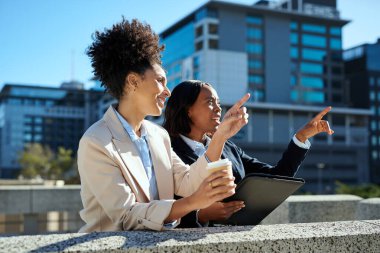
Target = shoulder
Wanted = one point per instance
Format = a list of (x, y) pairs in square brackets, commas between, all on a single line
[(155, 129), (98, 132)]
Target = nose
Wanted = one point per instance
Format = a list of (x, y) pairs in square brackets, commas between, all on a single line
[(218, 108), (167, 91)]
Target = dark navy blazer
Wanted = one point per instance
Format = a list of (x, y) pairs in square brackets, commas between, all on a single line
[(242, 164)]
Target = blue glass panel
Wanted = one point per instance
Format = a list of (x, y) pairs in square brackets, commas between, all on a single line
[(313, 40), (293, 25), (313, 54), (335, 31), (294, 52), (206, 12), (313, 82), (294, 38), (178, 45), (312, 68), (373, 56), (313, 28), (336, 44), (255, 64), (294, 95), (254, 48), (293, 80), (255, 79), (254, 20), (314, 96), (254, 33), (37, 93)]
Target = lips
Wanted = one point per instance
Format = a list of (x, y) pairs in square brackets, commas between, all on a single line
[(161, 101)]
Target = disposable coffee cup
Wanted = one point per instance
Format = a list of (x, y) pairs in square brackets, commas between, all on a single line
[(223, 164)]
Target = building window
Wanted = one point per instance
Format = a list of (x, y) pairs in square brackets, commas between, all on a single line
[(199, 45), (294, 95), (313, 54), (336, 70), (199, 31), (336, 44), (293, 25), (212, 28), (314, 96), (206, 12), (312, 82), (335, 31), (293, 80), (372, 81), (255, 64), (254, 33), (254, 20), (312, 68), (255, 79), (213, 44), (374, 155), (313, 40), (378, 82), (294, 52), (254, 48), (258, 95), (336, 84), (313, 28), (373, 125), (294, 38), (372, 95), (337, 98)]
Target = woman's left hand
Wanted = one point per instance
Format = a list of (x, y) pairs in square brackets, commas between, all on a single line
[(315, 126)]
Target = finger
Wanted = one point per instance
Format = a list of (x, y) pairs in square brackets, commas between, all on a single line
[(221, 196), (322, 113), (220, 189), (217, 174), (233, 204), (222, 181), (241, 102), (328, 129)]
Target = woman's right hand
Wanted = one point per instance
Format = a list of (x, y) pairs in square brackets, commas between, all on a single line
[(216, 187), (219, 211)]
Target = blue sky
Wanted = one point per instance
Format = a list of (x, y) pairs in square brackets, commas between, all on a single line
[(43, 41)]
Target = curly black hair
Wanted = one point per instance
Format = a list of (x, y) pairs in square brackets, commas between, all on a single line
[(184, 95), (126, 47)]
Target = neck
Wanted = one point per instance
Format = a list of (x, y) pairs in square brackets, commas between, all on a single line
[(131, 113), (197, 136)]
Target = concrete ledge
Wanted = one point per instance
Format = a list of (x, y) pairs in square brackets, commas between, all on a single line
[(315, 208), (345, 236), (369, 209), (39, 199)]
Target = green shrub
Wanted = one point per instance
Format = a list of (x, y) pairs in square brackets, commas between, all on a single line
[(364, 191)]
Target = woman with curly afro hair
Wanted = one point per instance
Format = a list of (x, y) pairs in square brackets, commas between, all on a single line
[(129, 173)]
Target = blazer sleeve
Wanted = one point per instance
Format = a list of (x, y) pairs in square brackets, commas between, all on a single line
[(101, 177), (287, 166), (187, 178)]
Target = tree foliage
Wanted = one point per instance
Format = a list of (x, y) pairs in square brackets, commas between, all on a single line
[(364, 191), (37, 160)]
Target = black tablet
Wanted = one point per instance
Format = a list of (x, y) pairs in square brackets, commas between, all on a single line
[(261, 194)]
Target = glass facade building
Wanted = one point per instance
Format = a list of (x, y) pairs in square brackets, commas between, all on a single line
[(289, 57), (362, 68), (56, 117)]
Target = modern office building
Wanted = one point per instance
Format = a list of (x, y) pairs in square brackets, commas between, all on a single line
[(362, 67), (288, 55), (50, 116)]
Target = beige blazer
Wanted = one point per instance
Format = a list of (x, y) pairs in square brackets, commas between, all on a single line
[(114, 185)]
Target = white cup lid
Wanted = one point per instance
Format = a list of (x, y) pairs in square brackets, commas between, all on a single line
[(219, 163)]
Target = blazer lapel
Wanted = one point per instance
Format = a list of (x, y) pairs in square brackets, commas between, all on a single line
[(161, 163), (127, 151)]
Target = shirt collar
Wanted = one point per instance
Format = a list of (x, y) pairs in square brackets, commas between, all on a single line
[(128, 128), (195, 145)]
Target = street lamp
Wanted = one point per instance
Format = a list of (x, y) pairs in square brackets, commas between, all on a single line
[(320, 167)]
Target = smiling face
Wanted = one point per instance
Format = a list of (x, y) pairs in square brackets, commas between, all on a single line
[(205, 113), (149, 91)]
